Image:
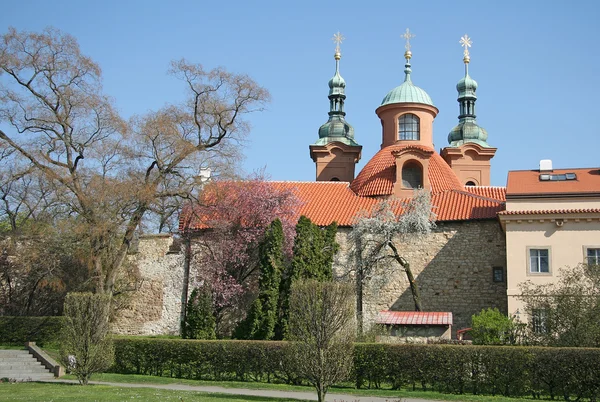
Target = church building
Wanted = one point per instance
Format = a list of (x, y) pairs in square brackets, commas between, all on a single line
[(487, 241)]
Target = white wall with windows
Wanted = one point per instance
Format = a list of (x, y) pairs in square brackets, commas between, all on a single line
[(539, 246)]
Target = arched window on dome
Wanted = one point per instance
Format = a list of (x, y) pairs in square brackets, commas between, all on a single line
[(408, 127), (334, 179), (470, 183), (412, 175)]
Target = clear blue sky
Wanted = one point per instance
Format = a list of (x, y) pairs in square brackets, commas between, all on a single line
[(537, 64)]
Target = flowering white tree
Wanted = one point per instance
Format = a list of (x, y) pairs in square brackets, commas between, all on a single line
[(377, 233)]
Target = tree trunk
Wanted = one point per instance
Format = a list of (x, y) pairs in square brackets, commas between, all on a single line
[(359, 300), (414, 288), (186, 279)]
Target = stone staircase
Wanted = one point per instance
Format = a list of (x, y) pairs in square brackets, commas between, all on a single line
[(19, 365)]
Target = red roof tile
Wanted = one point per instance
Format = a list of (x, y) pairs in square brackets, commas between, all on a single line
[(325, 202), (493, 192), (461, 205), (552, 212), (414, 318), (527, 182), (379, 174)]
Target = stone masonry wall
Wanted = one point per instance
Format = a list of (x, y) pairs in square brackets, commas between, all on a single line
[(453, 267), (155, 307)]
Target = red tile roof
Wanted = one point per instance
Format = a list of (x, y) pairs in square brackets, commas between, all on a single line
[(552, 212), (379, 174), (527, 182), (414, 318), (326, 201), (461, 205), (493, 192)]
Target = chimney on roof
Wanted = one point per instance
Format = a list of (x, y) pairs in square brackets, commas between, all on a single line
[(546, 165)]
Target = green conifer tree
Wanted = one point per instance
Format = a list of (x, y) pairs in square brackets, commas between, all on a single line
[(314, 249), (262, 317), (199, 318)]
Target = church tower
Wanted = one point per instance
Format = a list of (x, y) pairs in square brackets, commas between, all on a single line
[(468, 154), (336, 152)]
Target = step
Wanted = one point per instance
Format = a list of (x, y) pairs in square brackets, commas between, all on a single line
[(20, 365), (13, 353), (15, 365)]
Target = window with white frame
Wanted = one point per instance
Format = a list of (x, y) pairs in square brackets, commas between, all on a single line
[(592, 256), (539, 321), (408, 127), (539, 260)]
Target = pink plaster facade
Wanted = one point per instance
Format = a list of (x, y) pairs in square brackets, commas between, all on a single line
[(470, 162), (335, 161)]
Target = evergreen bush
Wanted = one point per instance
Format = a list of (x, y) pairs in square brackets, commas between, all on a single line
[(569, 373), (199, 318), (18, 330)]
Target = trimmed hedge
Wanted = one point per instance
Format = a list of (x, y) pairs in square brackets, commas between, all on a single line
[(17, 330), (495, 370), (202, 360)]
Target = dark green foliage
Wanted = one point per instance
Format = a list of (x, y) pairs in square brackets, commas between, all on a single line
[(262, 317), (491, 327), (85, 335), (314, 249), (18, 330), (568, 373), (199, 318), (202, 360)]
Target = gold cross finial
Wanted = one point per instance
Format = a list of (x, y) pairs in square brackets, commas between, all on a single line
[(338, 39), (408, 36), (466, 42)]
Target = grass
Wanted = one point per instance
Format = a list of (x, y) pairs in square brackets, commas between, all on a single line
[(384, 393), (69, 392)]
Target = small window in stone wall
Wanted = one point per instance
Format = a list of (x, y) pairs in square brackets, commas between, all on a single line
[(498, 274)]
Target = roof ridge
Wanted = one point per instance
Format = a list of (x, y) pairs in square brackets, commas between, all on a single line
[(486, 187), (481, 197)]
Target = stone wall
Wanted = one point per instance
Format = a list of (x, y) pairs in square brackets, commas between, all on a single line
[(155, 307), (453, 267)]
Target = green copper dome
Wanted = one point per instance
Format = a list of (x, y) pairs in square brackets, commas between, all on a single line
[(337, 85), (337, 128), (407, 92), (466, 87), (467, 130)]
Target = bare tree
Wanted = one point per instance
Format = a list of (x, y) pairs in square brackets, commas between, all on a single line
[(322, 331), (377, 234), (108, 173)]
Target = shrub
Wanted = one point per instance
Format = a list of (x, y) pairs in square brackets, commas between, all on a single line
[(85, 348), (491, 327), (18, 330), (569, 373), (199, 318)]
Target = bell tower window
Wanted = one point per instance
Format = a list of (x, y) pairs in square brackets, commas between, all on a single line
[(412, 175), (408, 127)]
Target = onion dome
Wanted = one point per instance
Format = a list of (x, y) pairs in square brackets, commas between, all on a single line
[(336, 128), (407, 92), (467, 130)]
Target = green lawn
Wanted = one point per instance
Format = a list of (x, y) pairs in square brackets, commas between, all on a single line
[(69, 392), (392, 394)]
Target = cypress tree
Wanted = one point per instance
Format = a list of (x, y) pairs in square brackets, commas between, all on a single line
[(199, 318), (314, 249), (262, 317)]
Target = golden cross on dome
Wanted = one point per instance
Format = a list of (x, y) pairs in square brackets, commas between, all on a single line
[(338, 39), (466, 42), (408, 36)]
